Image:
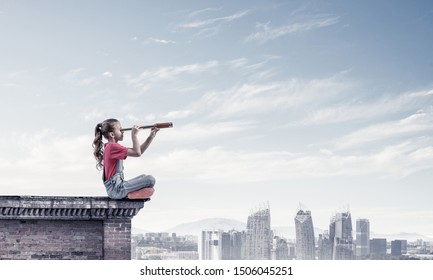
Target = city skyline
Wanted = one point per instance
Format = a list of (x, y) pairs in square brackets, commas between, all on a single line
[(223, 223), (324, 103), (257, 241)]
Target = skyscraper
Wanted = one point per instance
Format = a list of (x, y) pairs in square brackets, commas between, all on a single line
[(398, 247), (259, 235), (362, 238), (324, 247), (304, 236), (237, 240), (280, 250), (340, 234), (220, 245), (211, 245), (377, 248)]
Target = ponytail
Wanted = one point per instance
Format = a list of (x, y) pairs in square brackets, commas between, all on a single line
[(98, 147), (102, 130)]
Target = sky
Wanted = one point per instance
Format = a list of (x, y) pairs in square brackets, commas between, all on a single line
[(324, 105)]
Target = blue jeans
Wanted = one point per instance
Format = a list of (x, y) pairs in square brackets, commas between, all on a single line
[(118, 188)]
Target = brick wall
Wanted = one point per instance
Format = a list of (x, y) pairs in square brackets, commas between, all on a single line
[(117, 239), (77, 228), (44, 239)]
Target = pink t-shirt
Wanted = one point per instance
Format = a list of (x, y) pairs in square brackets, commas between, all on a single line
[(112, 153)]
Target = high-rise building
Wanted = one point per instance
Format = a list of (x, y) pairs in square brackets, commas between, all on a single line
[(304, 236), (403, 246), (398, 247), (211, 245), (340, 234), (280, 249), (292, 250), (220, 245), (377, 248), (259, 236), (362, 238), (324, 247), (237, 240)]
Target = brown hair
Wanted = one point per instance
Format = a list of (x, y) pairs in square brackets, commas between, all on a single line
[(102, 129)]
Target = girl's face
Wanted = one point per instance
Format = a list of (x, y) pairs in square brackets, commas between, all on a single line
[(117, 133)]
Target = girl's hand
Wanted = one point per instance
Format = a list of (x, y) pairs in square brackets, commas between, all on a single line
[(135, 129), (153, 132)]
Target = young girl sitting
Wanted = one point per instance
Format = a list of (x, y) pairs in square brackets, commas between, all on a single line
[(110, 158)]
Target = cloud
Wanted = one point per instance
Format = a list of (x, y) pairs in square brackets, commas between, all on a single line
[(268, 33), (146, 79), (158, 41), (238, 63), (178, 114), (71, 74), (208, 27), (345, 111), (212, 21), (259, 98), (48, 164), (78, 77), (254, 71), (199, 132), (93, 115), (421, 122), (217, 164), (65, 165), (202, 11)]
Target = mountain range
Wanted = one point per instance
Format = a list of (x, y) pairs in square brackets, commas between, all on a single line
[(195, 228)]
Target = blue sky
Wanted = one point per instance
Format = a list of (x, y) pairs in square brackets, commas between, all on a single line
[(328, 104)]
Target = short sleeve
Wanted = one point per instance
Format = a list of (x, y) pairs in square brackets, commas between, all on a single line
[(116, 151)]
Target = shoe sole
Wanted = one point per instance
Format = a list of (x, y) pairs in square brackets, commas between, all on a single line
[(141, 193)]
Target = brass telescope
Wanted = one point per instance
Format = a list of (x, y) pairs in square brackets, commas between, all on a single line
[(157, 125)]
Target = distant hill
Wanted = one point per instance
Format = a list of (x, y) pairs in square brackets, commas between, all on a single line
[(401, 236), (195, 228), (135, 230)]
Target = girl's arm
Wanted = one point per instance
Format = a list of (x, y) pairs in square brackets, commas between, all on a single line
[(149, 139), (135, 151)]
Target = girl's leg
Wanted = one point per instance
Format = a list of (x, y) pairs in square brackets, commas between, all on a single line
[(140, 182), (114, 187)]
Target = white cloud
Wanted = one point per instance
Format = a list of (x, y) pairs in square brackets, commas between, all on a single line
[(145, 80), (193, 133), (51, 165), (72, 74), (238, 63), (218, 164), (78, 77), (202, 11), (204, 28), (212, 21), (178, 114), (258, 98), (93, 115), (416, 123), (267, 32), (360, 110), (158, 41), (255, 70), (65, 165)]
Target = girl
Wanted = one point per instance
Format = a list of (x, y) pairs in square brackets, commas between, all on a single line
[(110, 158)]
